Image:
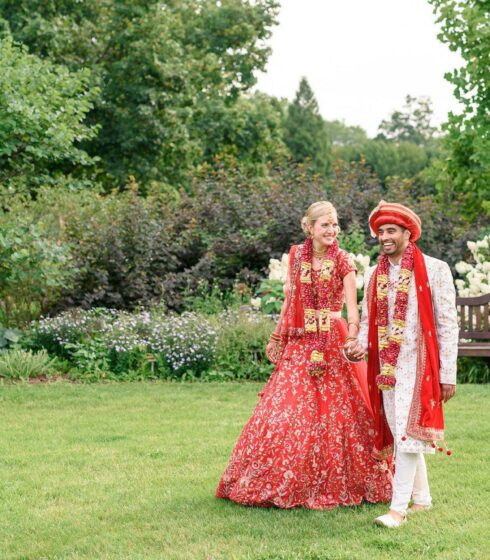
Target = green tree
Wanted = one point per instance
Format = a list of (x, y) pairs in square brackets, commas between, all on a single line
[(159, 65), (465, 28), (411, 124), (405, 146), (247, 132), (386, 159), (341, 134), (43, 108), (305, 133), (34, 270)]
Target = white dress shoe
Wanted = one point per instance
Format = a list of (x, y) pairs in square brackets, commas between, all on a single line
[(388, 521)]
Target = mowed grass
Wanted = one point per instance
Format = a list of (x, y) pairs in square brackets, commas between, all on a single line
[(129, 471)]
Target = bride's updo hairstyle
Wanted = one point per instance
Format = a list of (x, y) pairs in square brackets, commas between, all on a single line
[(315, 211)]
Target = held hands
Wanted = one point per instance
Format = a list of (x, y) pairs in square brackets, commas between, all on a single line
[(353, 350)]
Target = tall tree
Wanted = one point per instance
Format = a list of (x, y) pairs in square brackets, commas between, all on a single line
[(43, 109), (305, 132), (465, 28), (341, 134), (412, 123), (159, 65)]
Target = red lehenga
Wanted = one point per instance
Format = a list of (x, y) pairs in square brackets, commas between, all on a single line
[(309, 441)]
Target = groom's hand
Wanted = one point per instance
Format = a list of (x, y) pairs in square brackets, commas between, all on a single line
[(447, 392), (354, 351)]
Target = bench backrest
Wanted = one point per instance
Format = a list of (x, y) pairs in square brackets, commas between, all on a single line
[(473, 317)]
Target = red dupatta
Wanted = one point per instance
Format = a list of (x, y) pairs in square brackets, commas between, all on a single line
[(426, 421)]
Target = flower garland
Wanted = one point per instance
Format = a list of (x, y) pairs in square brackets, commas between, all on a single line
[(389, 346), (317, 334)]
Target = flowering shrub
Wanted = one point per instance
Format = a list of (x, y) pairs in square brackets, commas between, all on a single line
[(62, 334), (270, 293), (362, 264), (185, 343), (476, 279), (118, 341), (278, 269), (240, 352), (270, 296)]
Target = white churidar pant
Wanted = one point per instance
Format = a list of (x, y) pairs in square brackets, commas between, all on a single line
[(410, 482)]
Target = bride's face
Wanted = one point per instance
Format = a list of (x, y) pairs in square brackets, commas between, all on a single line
[(325, 230)]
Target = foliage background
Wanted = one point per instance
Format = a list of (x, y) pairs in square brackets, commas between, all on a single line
[(138, 166)]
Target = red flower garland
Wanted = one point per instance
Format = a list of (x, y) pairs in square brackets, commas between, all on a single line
[(317, 334), (389, 346)]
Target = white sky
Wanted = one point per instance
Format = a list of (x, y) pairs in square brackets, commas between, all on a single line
[(361, 57)]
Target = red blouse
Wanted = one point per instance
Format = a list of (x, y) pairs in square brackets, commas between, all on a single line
[(343, 266)]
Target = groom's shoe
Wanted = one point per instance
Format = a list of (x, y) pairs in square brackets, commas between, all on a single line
[(390, 521)]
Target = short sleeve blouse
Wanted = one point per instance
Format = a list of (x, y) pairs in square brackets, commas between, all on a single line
[(345, 264)]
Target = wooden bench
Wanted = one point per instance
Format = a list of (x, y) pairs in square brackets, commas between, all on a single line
[(474, 325)]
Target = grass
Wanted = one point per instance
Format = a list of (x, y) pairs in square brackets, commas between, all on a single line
[(128, 471)]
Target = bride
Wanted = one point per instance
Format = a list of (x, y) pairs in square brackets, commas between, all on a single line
[(308, 442)]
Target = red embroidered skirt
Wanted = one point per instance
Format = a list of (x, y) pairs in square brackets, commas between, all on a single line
[(309, 440)]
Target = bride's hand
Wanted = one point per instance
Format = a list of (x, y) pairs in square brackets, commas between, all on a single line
[(272, 351), (353, 350)]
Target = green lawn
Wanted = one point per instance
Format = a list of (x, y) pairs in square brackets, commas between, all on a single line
[(129, 471)]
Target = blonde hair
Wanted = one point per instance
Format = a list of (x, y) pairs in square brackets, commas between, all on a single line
[(315, 211)]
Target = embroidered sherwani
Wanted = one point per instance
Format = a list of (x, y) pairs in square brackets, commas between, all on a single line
[(397, 402)]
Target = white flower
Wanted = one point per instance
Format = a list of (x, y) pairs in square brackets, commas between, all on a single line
[(460, 284), (485, 288), (275, 274), (475, 289), (256, 303), (362, 261), (278, 269), (463, 267)]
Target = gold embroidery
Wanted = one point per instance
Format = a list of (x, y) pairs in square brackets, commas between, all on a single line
[(398, 327), (326, 269), (316, 356), (404, 280), (324, 320), (382, 286), (310, 321), (305, 273)]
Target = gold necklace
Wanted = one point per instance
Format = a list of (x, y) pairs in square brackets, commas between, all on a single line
[(319, 254)]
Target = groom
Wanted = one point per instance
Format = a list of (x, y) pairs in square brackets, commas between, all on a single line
[(410, 332)]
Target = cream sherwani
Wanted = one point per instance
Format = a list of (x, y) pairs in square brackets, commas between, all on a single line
[(398, 401)]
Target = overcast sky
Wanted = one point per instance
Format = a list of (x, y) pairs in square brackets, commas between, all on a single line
[(361, 57)]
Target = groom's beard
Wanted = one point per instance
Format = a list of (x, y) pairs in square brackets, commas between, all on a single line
[(393, 247)]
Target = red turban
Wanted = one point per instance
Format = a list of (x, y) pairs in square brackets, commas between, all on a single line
[(393, 213)]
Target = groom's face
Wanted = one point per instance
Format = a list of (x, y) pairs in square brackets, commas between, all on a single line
[(393, 239)]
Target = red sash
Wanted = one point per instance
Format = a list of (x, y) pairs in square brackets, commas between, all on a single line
[(426, 421)]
